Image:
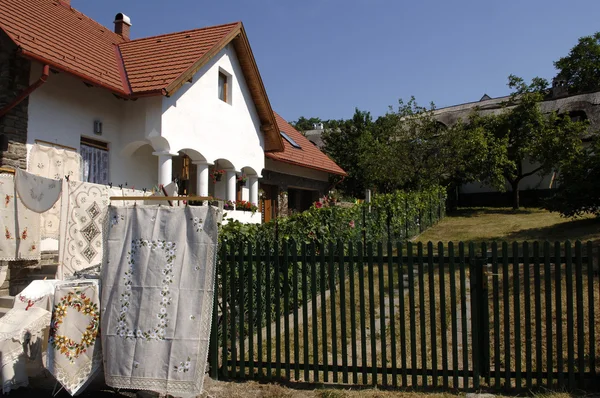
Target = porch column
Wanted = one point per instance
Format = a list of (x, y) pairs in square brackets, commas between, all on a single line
[(253, 190), (165, 167), (202, 178), (231, 185)]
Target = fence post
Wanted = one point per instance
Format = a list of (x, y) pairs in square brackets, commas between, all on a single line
[(483, 315)]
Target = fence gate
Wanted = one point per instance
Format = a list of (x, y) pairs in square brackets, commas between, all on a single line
[(453, 316)]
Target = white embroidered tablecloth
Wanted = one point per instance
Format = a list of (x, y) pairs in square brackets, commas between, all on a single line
[(39, 293), (37, 193), (20, 238), (158, 285), (22, 335), (85, 213), (74, 353), (55, 163)]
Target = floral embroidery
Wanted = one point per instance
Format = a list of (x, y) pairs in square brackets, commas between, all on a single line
[(36, 197), (136, 364), (183, 366), (7, 200), (158, 332), (30, 303), (7, 233), (84, 305), (24, 234), (40, 165), (198, 223), (116, 219)]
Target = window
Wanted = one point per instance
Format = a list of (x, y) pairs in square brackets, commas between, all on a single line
[(223, 87), (290, 140), (94, 161)]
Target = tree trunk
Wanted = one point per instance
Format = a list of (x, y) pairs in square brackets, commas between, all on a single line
[(515, 194)]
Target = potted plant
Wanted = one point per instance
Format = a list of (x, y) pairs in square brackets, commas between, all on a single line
[(242, 180), (229, 205), (217, 174)]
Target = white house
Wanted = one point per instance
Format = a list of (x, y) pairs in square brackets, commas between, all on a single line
[(150, 108)]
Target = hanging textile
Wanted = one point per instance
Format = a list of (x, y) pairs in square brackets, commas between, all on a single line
[(37, 193), (39, 294), (158, 285), (124, 192), (22, 334), (20, 238), (55, 163), (85, 213), (74, 355)]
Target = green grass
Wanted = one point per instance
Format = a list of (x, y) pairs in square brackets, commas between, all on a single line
[(488, 224)]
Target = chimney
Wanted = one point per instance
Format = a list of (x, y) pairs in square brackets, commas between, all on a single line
[(122, 25)]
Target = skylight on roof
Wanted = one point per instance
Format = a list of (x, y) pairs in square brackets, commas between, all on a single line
[(290, 140)]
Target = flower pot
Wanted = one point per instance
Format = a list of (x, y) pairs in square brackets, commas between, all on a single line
[(218, 177), (242, 183)]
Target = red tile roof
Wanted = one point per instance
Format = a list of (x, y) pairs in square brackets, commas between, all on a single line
[(152, 63), (308, 155), (53, 33)]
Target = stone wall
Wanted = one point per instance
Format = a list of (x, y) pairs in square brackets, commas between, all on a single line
[(14, 78)]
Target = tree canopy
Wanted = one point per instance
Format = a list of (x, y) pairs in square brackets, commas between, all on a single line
[(303, 124), (581, 67)]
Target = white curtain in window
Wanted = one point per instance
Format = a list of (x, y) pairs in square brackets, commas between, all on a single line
[(94, 165)]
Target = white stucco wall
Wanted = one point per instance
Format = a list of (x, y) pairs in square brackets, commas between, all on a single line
[(287, 168), (64, 109), (195, 118)]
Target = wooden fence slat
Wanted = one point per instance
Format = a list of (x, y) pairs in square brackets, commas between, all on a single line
[(313, 300), (295, 282), (268, 308), (342, 285), (250, 274), (392, 304), (351, 274), (401, 315), (332, 311), (506, 309), (580, 323), (570, 320), (549, 317), (305, 319), (538, 311), (476, 349), (234, 303), (277, 282), (323, 283), (225, 306), (411, 303), (443, 325), (382, 338), (559, 323), (517, 314), (423, 326), (463, 310), (260, 310), (241, 300), (591, 313), (484, 319), (432, 313), (286, 308), (527, 294), (363, 313), (453, 306), (372, 307), (497, 320)]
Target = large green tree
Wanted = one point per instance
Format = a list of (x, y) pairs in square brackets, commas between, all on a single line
[(303, 124), (581, 68), (527, 136)]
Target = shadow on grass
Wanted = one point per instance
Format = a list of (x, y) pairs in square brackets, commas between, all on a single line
[(569, 230), (479, 211)]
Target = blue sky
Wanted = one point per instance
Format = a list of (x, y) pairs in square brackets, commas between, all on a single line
[(324, 58)]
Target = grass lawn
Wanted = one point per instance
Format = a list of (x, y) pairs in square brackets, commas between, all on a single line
[(530, 224)]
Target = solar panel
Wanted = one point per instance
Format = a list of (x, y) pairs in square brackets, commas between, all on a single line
[(290, 140)]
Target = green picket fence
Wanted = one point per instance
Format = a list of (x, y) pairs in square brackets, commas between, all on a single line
[(408, 315)]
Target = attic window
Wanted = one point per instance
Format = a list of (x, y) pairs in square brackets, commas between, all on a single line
[(290, 140), (223, 83)]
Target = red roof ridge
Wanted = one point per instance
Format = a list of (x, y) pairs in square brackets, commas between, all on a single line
[(180, 32)]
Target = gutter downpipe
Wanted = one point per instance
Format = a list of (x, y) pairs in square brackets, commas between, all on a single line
[(43, 78)]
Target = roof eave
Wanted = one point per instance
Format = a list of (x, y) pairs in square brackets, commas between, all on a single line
[(278, 159)]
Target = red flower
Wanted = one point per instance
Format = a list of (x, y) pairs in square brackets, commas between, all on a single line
[(318, 205), (351, 224)]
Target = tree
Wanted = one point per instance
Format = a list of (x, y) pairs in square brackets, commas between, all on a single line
[(578, 189), (525, 134), (303, 124), (410, 149), (581, 68), (345, 142)]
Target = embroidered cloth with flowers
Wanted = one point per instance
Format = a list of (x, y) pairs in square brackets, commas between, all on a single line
[(158, 285)]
